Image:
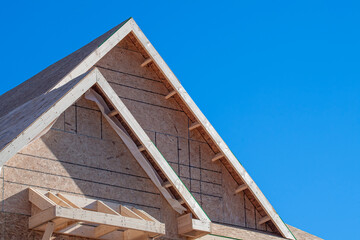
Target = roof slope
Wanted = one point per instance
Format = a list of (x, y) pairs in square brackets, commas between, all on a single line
[(16, 121), (50, 76)]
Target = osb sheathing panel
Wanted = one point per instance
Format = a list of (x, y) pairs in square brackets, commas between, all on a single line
[(188, 153), (222, 232), (238, 233), (201, 131), (15, 227), (49, 77), (85, 159)]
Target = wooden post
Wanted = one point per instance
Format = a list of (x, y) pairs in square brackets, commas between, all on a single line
[(49, 231)]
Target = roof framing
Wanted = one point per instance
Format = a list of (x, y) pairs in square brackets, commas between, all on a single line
[(177, 91)]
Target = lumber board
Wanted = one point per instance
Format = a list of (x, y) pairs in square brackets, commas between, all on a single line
[(102, 207), (241, 188), (146, 62), (113, 113), (42, 217), (144, 215), (109, 219), (65, 199), (48, 231), (57, 200), (194, 126), (125, 211), (264, 220), (133, 148), (166, 184), (217, 157), (39, 200), (188, 226), (102, 230), (142, 148), (170, 94)]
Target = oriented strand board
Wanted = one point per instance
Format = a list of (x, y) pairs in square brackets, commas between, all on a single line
[(187, 152), (234, 204), (79, 161)]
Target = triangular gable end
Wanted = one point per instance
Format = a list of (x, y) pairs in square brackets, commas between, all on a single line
[(178, 92), (246, 184), (180, 200)]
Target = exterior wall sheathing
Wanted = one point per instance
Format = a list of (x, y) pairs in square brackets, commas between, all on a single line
[(81, 155), (143, 92)]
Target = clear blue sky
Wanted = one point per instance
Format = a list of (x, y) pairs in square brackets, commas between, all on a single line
[(279, 80)]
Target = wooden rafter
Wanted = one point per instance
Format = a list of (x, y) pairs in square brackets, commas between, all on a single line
[(241, 188), (170, 94), (194, 126), (217, 157), (264, 220), (146, 62), (112, 113)]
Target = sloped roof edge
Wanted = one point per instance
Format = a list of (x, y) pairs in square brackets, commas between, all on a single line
[(45, 80)]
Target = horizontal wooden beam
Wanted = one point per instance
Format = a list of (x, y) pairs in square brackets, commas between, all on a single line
[(113, 113), (264, 220), (241, 188), (217, 156), (170, 94), (146, 62), (97, 218), (194, 126), (42, 217), (193, 228)]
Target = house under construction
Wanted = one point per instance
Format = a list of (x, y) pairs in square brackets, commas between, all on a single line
[(107, 144)]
